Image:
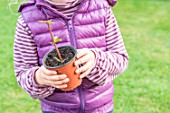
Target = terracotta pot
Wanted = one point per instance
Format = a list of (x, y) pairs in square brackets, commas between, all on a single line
[(68, 69)]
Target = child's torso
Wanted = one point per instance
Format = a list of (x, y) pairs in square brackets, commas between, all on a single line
[(88, 31)]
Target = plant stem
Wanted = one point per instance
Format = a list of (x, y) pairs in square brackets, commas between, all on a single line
[(54, 42)]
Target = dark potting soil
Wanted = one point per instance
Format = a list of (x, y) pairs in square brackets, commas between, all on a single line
[(66, 53)]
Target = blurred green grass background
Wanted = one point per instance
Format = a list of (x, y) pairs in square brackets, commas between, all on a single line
[(143, 88)]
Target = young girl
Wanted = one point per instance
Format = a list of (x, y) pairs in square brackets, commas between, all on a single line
[(89, 26)]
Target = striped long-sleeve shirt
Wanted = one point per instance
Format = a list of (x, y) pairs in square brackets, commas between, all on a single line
[(113, 62)]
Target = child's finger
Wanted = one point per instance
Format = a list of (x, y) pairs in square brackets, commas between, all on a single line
[(82, 60), (61, 82), (60, 86), (84, 74), (57, 77), (56, 85), (84, 68), (48, 72), (64, 81)]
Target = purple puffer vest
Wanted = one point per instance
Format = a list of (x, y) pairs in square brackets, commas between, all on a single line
[(86, 29)]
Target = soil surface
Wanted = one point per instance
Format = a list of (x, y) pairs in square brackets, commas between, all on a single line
[(66, 53)]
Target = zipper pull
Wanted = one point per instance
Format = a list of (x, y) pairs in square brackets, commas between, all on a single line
[(70, 26)]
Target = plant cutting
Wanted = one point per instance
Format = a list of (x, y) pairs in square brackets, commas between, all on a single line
[(61, 59)]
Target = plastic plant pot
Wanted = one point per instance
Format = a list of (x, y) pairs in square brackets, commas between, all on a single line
[(67, 68)]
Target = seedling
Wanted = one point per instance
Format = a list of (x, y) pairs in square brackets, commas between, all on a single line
[(64, 64), (55, 39)]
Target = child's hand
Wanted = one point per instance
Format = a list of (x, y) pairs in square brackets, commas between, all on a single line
[(44, 76), (86, 58)]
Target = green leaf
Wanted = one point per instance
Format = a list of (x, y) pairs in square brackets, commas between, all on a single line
[(46, 21), (57, 59), (50, 22), (42, 21), (56, 39)]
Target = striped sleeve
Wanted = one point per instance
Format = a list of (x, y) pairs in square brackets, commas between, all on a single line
[(26, 62), (114, 61)]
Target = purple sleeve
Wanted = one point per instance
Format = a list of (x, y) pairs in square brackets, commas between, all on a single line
[(114, 61), (26, 62)]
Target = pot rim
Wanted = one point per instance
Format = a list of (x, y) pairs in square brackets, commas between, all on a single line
[(44, 58)]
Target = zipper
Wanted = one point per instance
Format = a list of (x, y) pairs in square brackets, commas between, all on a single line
[(74, 43), (71, 33), (82, 106)]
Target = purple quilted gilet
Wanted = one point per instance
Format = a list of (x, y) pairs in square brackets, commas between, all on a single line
[(86, 29)]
